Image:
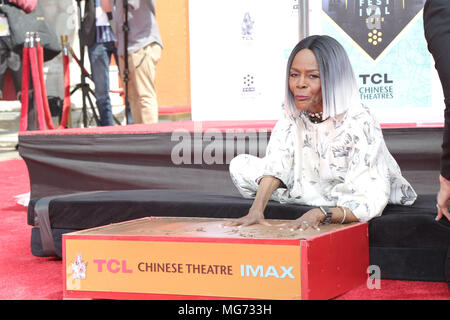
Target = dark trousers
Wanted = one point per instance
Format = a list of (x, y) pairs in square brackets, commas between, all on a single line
[(9, 60), (436, 18), (100, 58)]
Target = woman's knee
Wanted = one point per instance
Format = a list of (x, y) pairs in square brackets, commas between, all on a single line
[(238, 164)]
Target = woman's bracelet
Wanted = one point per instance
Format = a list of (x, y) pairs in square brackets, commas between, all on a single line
[(328, 214), (345, 214)]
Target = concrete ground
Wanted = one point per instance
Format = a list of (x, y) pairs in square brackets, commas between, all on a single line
[(9, 127), (8, 154)]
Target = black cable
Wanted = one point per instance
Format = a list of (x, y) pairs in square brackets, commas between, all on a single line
[(126, 71)]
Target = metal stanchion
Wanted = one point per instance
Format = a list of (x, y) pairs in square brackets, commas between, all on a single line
[(303, 19), (66, 117)]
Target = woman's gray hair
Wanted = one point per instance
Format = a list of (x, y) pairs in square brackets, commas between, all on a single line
[(339, 88)]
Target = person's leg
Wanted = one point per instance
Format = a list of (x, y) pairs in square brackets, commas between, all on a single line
[(142, 65), (100, 57), (245, 169), (15, 67), (437, 33), (3, 68)]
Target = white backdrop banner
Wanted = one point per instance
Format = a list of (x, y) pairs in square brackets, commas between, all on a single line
[(239, 50)]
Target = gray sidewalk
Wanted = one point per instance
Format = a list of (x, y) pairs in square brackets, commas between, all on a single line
[(9, 127), (6, 154)]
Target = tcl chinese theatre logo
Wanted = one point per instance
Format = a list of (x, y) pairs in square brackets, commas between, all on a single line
[(372, 24)]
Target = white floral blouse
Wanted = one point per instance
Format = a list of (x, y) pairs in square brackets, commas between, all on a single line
[(338, 162)]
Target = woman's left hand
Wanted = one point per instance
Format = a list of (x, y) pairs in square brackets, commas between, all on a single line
[(310, 219)]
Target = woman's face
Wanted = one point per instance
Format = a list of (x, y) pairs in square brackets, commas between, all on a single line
[(304, 82)]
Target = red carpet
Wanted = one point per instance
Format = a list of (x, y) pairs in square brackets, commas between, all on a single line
[(26, 277), (22, 275)]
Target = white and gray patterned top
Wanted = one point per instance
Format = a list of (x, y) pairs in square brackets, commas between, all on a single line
[(338, 162)]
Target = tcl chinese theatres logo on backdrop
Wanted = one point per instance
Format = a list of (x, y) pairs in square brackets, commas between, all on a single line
[(372, 24)]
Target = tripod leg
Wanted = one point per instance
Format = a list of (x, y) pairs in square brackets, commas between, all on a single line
[(75, 89), (116, 120), (84, 111), (94, 111)]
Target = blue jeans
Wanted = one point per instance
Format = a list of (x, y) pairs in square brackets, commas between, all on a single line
[(100, 58)]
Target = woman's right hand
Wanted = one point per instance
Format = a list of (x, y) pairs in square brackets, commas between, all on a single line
[(254, 216)]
